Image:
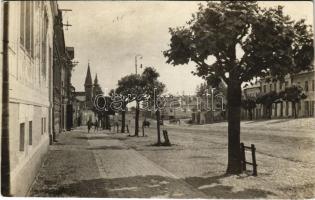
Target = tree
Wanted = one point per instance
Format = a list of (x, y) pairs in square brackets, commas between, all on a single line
[(130, 88), (293, 94), (267, 100), (249, 103), (272, 45), (202, 89), (153, 89)]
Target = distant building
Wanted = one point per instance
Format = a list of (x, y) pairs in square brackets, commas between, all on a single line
[(84, 100), (62, 88), (284, 109)]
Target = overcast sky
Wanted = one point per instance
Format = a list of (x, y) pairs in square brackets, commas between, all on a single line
[(109, 34)]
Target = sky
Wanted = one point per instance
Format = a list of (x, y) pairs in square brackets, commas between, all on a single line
[(109, 34)]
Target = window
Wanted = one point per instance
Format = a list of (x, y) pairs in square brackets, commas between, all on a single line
[(270, 87), (264, 88), (44, 45), (27, 26), (306, 86), (30, 132), (313, 85), (280, 85), (275, 86), (286, 84), (42, 126), (22, 22), (22, 136), (45, 125)]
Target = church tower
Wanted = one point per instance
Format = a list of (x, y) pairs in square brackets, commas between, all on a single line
[(88, 85), (96, 87)]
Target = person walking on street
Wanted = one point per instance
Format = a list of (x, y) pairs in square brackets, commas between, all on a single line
[(96, 125), (89, 125)]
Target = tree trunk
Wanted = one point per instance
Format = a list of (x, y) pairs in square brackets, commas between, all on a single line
[(269, 112), (103, 121), (123, 119), (234, 120), (137, 119), (107, 122), (294, 110), (158, 127), (250, 114)]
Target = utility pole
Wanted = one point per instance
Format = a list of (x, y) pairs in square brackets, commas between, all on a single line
[(136, 65), (5, 152), (67, 25)]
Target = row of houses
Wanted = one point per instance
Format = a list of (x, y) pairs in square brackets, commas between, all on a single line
[(305, 108), (40, 91), (200, 110)]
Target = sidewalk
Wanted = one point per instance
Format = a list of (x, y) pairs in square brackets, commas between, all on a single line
[(98, 165)]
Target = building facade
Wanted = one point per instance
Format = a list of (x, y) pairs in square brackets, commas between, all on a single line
[(31, 28), (62, 88), (284, 109)]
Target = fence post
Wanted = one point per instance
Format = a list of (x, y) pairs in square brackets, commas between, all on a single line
[(254, 160), (243, 156)]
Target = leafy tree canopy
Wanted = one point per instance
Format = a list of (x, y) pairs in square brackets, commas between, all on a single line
[(272, 43), (293, 94), (268, 99)]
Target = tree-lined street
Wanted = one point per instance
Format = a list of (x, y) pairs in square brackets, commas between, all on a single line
[(107, 164), (132, 126)]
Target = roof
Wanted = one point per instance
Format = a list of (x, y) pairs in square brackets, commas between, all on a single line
[(88, 78)]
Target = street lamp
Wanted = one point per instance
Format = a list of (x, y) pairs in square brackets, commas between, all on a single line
[(136, 58)]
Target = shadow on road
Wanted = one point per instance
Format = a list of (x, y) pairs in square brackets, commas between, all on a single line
[(100, 138), (213, 188), (108, 148), (148, 187)]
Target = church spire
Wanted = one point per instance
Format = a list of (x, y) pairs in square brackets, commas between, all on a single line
[(88, 78), (95, 80)]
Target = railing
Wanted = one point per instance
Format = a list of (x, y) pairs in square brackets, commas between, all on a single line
[(243, 154)]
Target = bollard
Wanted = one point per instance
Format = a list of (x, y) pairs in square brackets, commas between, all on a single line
[(254, 160), (243, 157)]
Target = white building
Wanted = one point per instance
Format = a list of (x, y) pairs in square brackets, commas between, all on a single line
[(31, 25), (284, 109)]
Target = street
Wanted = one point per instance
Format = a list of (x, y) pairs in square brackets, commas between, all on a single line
[(108, 164)]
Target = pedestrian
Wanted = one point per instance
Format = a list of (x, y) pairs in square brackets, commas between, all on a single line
[(79, 121), (96, 125), (89, 125)]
